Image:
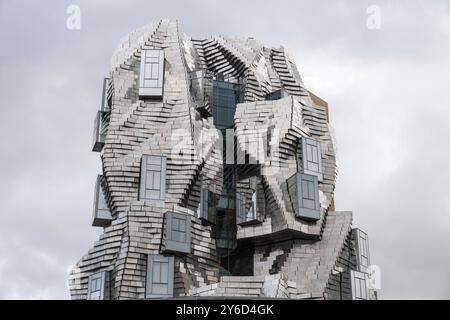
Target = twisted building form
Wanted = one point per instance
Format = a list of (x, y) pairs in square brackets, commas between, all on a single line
[(218, 178)]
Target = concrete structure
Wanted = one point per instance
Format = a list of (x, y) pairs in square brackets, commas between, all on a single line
[(218, 179)]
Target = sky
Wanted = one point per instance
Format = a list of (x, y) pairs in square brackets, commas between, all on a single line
[(384, 73)]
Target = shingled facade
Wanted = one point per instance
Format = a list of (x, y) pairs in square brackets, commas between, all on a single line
[(218, 179)]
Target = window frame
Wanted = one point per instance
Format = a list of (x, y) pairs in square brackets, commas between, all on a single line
[(101, 214), (207, 206), (240, 208), (151, 59), (171, 243), (360, 290), (312, 147), (100, 130), (295, 191), (143, 177), (158, 258), (361, 240), (101, 279), (306, 212)]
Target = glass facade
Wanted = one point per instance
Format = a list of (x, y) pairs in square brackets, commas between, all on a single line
[(226, 96)]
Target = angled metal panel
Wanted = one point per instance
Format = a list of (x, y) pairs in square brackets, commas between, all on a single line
[(106, 87)]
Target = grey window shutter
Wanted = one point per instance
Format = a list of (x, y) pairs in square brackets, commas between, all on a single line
[(308, 196), (277, 94), (240, 208), (312, 157), (253, 207), (361, 240), (96, 286), (151, 77), (359, 285), (178, 232), (160, 275), (153, 178), (106, 95), (102, 215)]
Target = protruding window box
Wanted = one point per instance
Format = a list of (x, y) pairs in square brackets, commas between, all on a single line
[(160, 275), (107, 95), (100, 127), (359, 285), (303, 190), (177, 233), (361, 241), (98, 286), (102, 215), (226, 96), (311, 158), (207, 207), (277, 95), (201, 86), (153, 178), (151, 78)]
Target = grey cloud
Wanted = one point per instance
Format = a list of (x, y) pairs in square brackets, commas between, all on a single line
[(388, 104)]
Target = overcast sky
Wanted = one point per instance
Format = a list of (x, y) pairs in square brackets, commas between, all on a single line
[(388, 94)]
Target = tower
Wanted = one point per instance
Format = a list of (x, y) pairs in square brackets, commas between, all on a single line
[(218, 178)]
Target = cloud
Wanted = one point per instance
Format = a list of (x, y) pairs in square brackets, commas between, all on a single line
[(387, 94)]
